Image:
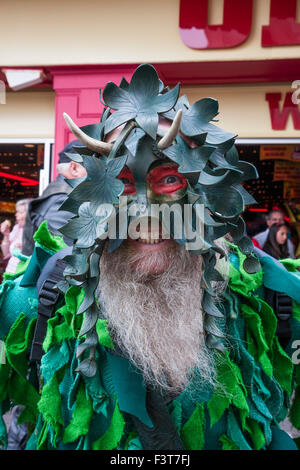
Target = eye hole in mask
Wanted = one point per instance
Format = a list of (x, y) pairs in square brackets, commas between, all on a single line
[(163, 179)]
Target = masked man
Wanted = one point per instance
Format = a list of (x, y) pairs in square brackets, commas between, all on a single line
[(152, 331)]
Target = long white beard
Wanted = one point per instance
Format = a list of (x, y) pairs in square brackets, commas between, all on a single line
[(157, 320)]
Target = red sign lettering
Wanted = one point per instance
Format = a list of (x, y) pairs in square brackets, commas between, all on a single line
[(279, 116), (283, 29), (197, 34)]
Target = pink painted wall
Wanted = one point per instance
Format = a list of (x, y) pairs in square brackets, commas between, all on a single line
[(77, 94)]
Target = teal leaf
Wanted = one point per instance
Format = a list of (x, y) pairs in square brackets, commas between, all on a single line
[(101, 185), (223, 201), (245, 245), (89, 291), (77, 265), (251, 265), (85, 228), (140, 100), (90, 319), (87, 367), (132, 141), (196, 120), (117, 119), (90, 341), (189, 160)]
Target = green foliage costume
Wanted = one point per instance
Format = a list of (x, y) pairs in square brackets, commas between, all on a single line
[(86, 394)]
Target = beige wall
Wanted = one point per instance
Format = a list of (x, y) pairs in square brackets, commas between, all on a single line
[(27, 114), (35, 32), (243, 109)]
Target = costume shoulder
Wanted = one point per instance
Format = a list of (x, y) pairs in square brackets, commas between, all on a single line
[(70, 405), (263, 356)]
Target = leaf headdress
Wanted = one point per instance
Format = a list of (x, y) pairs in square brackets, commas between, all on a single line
[(205, 155)]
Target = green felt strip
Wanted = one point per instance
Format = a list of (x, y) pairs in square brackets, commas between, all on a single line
[(230, 390), (192, 432), (295, 409), (50, 404), (48, 241), (103, 334), (227, 443), (112, 437), (81, 418)]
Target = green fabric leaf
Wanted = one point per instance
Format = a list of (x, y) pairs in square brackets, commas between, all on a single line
[(227, 443), (294, 413), (230, 391), (50, 407), (112, 436), (176, 415), (283, 366), (103, 334), (256, 433), (48, 241), (80, 423), (192, 433)]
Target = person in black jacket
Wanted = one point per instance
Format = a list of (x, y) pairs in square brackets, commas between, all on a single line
[(46, 207)]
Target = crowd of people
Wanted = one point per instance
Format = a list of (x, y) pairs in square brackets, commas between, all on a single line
[(275, 240), (17, 241)]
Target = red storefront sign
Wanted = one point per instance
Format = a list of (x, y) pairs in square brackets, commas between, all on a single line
[(279, 116), (237, 22)]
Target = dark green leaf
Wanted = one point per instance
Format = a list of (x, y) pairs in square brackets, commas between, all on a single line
[(89, 290), (245, 245), (90, 318), (90, 341), (139, 100), (88, 368), (101, 185), (86, 227), (251, 265), (189, 160)]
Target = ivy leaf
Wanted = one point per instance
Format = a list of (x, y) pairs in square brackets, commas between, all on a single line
[(77, 265), (223, 201), (90, 319), (251, 265), (101, 184), (189, 160), (196, 120), (140, 100), (132, 141), (89, 290), (85, 228), (90, 341), (87, 367)]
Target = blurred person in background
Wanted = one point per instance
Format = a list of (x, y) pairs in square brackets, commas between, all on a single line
[(11, 243), (275, 216), (46, 207), (276, 243)]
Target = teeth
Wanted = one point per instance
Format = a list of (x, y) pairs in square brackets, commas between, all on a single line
[(148, 240)]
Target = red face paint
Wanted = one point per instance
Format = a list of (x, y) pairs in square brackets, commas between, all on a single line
[(128, 180), (163, 179)]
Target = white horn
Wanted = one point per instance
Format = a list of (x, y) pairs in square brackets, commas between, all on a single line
[(93, 144), (168, 138)]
